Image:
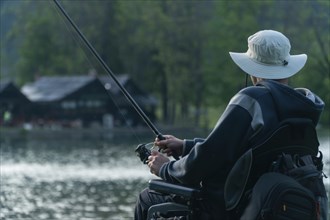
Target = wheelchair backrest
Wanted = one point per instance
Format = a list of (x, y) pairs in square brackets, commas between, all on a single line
[(292, 136)]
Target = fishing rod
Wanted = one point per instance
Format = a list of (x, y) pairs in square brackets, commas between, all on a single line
[(141, 148), (108, 70)]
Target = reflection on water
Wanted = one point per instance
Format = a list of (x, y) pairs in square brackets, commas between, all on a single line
[(69, 199), (56, 176), (65, 176)]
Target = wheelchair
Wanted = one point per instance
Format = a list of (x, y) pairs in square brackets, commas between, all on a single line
[(292, 136)]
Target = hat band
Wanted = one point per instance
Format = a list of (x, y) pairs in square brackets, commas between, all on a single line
[(258, 59)]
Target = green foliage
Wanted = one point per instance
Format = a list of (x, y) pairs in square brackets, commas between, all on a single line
[(177, 50)]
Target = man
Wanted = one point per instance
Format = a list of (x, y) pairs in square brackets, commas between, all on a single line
[(250, 115)]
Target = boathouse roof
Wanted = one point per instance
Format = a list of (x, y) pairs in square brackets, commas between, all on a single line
[(54, 88), (9, 91)]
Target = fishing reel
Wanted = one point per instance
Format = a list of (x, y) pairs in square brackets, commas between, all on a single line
[(143, 151)]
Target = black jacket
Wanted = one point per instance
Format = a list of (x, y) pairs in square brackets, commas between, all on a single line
[(249, 117)]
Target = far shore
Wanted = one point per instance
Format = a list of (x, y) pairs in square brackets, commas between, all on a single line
[(184, 132)]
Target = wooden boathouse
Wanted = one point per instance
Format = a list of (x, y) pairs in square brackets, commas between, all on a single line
[(84, 101)]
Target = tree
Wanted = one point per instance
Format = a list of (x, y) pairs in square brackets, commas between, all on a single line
[(175, 50), (168, 38)]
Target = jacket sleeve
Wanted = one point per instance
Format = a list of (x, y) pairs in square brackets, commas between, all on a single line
[(216, 154), (189, 144)]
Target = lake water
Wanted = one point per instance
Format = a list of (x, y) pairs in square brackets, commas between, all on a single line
[(76, 175)]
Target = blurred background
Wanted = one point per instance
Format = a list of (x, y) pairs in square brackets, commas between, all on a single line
[(67, 133)]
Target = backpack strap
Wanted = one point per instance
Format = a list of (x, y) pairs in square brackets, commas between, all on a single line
[(307, 160), (268, 86), (288, 162)]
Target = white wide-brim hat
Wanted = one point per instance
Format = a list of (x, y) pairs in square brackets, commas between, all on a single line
[(268, 56)]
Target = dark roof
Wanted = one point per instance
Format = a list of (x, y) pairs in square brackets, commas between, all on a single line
[(110, 84), (9, 92), (54, 88), (5, 84), (135, 91)]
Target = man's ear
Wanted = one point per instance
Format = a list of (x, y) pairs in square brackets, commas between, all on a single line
[(254, 79)]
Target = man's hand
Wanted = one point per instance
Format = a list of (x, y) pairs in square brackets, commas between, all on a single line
[(171, 145), (155, 161)]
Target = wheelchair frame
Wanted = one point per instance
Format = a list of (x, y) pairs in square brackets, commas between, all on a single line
[(186, 211)]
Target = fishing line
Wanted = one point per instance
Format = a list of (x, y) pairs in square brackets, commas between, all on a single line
[(79, 42)]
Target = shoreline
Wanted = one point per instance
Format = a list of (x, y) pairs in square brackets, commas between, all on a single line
[(98, 132)]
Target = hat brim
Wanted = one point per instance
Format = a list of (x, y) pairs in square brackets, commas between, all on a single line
[(268, 71)]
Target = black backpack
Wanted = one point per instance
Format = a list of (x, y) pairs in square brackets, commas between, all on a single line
[(277, 196), (281, 178)]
